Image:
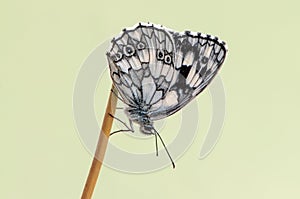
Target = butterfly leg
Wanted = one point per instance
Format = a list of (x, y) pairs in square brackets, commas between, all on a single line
[(156, 146), (115, 93), (129, 129), (156, 133), (118, 131)]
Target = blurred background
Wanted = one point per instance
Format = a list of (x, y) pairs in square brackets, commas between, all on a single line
[(43, 45)]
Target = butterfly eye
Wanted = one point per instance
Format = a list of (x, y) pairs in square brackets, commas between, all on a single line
[(128, 50), (204, 60), (117, 57), (140, 46), (160, 54), (168, 59)]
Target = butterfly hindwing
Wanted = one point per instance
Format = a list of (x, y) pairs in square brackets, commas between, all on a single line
[(141, 62), (197, 60)]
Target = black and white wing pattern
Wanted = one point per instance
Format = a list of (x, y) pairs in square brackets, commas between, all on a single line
[(198, 58), (141, 64)]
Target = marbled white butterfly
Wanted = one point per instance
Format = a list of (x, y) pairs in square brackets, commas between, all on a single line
[(157, 71)]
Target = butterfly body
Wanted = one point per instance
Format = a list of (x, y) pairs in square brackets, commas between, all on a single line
[(140, 116)]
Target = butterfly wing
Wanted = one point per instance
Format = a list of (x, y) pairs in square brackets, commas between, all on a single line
[(198, 58), (141, 64)]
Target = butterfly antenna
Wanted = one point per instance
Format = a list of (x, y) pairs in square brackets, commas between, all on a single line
[(156, 133)]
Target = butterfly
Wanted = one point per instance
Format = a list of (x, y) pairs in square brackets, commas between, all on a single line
[(157, 71)]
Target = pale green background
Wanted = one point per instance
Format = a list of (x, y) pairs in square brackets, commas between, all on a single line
[(42, 45)]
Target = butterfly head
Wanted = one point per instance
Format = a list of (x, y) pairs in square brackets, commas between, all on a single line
[(147, 128)]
